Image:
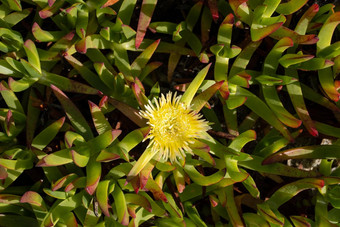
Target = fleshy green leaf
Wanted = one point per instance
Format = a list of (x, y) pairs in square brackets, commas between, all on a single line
[(148, 6), (48, 134), (195, 84), (73, 113)]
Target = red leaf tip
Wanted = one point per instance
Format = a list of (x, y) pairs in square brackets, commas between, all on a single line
[(322, 183), (313, 132)]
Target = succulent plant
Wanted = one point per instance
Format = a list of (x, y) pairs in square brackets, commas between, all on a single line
[(169, 113)]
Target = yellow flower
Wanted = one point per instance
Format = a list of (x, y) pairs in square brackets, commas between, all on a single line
[(174, 126)]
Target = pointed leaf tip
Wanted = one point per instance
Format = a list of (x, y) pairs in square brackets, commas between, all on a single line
[(51, 2), (32, 198), (115, 133), (81, 46), (147, 9), (92, 188), (91, 104), (41, 163), (313, 132)]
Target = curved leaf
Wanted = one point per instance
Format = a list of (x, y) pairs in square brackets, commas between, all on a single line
[(316, 151), (75, 116), (47, 135), (199, 179)]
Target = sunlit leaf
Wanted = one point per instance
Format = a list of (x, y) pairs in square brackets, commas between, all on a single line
[(148, 6)]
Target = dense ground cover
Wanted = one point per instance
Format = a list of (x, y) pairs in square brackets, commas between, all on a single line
[(169, 113)]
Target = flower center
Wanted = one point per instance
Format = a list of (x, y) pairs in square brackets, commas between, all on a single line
[(169, 124), (173, 127)]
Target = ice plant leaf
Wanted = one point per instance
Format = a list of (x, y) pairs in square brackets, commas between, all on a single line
[(328, 84), (33, 198), (33, 115), (77, 183), (290, 190), (120, 204), (200, 100), (128, 111), (143, 58), (254, 103), (126, 10), (69, 219), (107, 155), (193, 214), (55, 194), (317, 151), (276, 106), (326, 75), (306, 18), (81, 156), (271, 215), (315, 64), (242, 10), (327, 31), (243, 58), (269, 92), (73, 138), (223, 40), (148, 6), (291, 59), (88, 75), (171, 119), (81, 46), (63, 181), (46, 36), (104, 74), (199, 179), (145, 173), (297, 98), (328, 129), (179, 177), (32, 54), (48, 134), (93, 171), (273, 144), (65, 84), (102, 196), (3, 173), (202, 150), (19, 164), (14, 4), (148, 69), (147, 155), (31, 75), (163, 27), (296, 37), (171, 207), (63, 207), (194, 85), (10, 97), (250, 185), (82, 20), (255, 220), (138, 200), (301, 221), (259, 27), (99, 58), (157, 192), (56, 159), (99, 120), (276, 168), (73, 113), (290, 7)]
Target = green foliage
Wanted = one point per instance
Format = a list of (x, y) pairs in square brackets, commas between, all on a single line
[(75, 75)]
